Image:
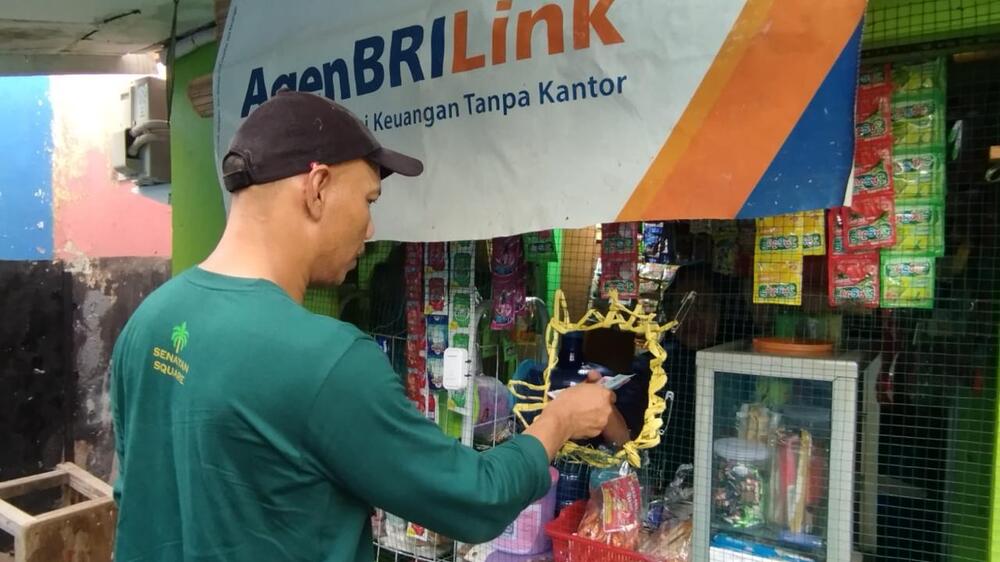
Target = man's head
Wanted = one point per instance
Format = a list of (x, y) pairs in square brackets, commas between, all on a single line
[(305, 167)]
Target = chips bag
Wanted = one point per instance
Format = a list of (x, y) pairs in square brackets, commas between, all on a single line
[(854, 280), (613, 514), (910, 78), (813, 233), (920, 227), (907, 280), (918, 121), (872, 115), (873, 168), (918, 173), (778, 282), (869, 223)]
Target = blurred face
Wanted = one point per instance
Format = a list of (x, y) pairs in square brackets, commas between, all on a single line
[(339, 200)]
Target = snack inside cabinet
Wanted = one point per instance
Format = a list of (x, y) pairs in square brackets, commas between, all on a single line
[(774, 457)]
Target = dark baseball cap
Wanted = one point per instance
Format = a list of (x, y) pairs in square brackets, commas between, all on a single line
[(292, 131)]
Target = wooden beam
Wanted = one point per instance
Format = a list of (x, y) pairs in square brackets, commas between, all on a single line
[(22, 486), (85, 482), (12, 519)]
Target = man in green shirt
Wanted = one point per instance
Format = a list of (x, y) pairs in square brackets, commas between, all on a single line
[(249, 429)]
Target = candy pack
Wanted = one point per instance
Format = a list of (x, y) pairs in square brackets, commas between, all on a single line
[(918, 121), (854, 280), (920, 227), (870, 222), (540, 247), (918, 173), (509, 289), (813, 233), (907, 280), (619, 260), (778, 282), (873, 168), (911, 78), (873, 115)]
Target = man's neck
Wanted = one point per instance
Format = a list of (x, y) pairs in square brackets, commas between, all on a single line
[(251, 253)]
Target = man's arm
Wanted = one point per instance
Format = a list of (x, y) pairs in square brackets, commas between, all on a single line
[(367, 437)]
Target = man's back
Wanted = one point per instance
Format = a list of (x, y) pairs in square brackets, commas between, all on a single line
[(249, 429)]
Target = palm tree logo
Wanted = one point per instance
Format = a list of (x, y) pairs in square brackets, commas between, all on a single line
[(179, 337)]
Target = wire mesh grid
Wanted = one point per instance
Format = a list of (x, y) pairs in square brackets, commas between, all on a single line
[(913, 319)]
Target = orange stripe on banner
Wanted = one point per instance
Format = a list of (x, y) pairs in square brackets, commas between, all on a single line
[(748, 104), (750, 20)]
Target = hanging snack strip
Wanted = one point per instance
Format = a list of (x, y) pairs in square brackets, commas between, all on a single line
[(620, 260), (436, 308), (777, 277), (540, 247), (461, 301), (509, 282), (416, 327)]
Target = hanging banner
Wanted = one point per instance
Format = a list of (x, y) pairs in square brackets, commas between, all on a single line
[(534, 114)]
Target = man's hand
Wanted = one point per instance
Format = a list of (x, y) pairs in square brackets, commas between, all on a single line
[(580, 412)]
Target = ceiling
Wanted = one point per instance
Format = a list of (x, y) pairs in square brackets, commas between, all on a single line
[(81, 36)]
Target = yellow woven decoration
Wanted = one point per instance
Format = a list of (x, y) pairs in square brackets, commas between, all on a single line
[(618, 316)]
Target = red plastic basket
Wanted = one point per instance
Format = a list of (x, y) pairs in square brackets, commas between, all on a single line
[(567, 547)]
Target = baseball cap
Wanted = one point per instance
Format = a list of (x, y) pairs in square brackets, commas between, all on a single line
[(293, 130)]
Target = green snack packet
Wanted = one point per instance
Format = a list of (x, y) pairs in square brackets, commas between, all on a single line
[(540, 247), (907, 280), (920, 227), (918, 173), (908, 78), (918, 121)]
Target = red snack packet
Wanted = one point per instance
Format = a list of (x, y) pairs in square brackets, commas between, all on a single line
[(873, 116), (854, 280), (873, 168), (870, 222), (875, 76), (613, 513)]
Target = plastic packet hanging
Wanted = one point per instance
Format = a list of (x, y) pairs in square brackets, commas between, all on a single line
[(918, 121), (907, 280), (918, 173), (873, 168), (909, 78), (813, 233), (854, 280), (875, 76), (613, 513), (654, 243), (619, 260), (778, 282), (870, 222), (872, 115), (540, 247), (919, 227)]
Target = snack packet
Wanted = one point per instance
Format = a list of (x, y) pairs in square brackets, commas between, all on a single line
[(872, 115), (907, 280), (619, 260), (873, 168), (778, 282), (540, 247), (870, 222), (919, 227), (813, 233), (909, 78), (875, 76), (670, 543), (613, 513), (918, 121), (854, 280), (918, 173), (779, 236)]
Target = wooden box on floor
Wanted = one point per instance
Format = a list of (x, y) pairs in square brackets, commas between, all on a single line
[(81, 529)]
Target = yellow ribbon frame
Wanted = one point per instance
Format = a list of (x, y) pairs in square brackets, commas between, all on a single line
[(618, 316)]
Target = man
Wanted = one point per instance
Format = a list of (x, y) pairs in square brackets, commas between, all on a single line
[(250, 429)]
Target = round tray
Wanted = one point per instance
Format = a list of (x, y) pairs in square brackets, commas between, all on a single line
[(792, 346)]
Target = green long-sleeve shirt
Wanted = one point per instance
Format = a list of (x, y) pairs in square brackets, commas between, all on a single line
[(248, 428)]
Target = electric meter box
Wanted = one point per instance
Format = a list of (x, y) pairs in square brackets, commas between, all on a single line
[(140, 145)]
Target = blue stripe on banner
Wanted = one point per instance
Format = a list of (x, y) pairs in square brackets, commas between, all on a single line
[(813, 167), (26, 172)]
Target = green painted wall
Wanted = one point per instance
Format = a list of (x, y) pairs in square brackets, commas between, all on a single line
[(198, 212)]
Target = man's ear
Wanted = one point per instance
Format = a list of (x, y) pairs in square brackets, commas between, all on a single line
[(316, 189)]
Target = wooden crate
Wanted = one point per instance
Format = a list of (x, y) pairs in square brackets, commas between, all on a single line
[(81, 530)]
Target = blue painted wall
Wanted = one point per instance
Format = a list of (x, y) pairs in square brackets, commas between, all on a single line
[(25, 169)]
